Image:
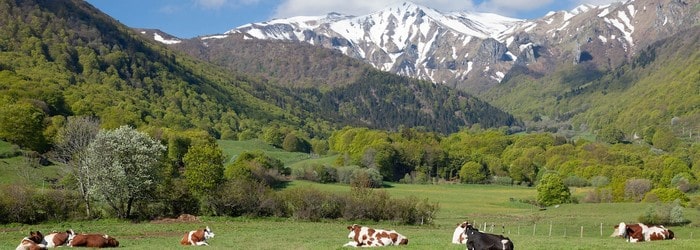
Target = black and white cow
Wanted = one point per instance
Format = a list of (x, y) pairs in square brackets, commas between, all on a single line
[(484, 241)]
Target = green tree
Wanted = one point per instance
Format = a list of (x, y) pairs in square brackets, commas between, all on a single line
[(204, 168), (124, 165), (551, 190), (23, 124), (472, 172), (611, 135)]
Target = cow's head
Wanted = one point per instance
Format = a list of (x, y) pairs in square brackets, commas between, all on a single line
[(111, 241), (71, 235), (208, 234), (354, 229), (622, 230), (469, 229), (36, 237)]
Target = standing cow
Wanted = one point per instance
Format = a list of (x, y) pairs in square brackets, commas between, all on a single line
[(197, 237), (370, 237), (484, 241)]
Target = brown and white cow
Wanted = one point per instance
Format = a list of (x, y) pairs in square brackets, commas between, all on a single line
[(57, 239), (93, 240), (459, 237), (32, 242), (370, 237), (197, 237), (640, 232)]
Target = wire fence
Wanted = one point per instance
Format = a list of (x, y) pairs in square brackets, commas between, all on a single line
[(558, 230)]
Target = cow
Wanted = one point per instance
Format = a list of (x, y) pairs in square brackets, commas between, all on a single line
[(93, 240), (640, 232), (56, 239), (32, 242), (197, 237), (484, 241), (458, 237), (370, 237)]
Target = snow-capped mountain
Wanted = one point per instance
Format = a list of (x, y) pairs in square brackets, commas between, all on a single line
[(475, 51)]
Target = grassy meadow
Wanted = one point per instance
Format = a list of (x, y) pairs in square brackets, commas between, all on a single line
[(498, 209), (492, 205)]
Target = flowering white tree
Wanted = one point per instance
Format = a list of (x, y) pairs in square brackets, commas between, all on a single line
[(124, 164)]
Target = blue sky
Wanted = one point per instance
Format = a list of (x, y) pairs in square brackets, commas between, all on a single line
[(191, 18)]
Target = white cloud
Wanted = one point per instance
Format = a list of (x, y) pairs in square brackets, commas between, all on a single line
[(219, 4), (289, 8), (597, 2), (210, 4)]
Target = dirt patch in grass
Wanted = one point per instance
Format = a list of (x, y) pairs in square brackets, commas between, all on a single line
[(183, 218)]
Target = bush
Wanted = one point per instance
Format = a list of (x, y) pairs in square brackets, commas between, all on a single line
[(670, 214), (502, 180), (600, 181), (245, 197), (551, 190), (667, 195), (635, 189), (575, 181), (366, 177), (316, 173), (598, 195)]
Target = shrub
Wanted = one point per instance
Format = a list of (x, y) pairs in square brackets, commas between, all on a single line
[(600, 181), (345, 172), (667, 195), (598, 195), (366, 177), (575, 181), (670, 214), (551, 190), (502, 180), (636, 188), (244, 197)]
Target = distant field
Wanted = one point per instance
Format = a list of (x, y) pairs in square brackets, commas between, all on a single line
[(232, 149), (14, 168), (477, 203)]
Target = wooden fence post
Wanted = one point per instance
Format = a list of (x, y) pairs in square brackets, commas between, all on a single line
[(534, 228), (550, 229), (581, 231), (601, 229)]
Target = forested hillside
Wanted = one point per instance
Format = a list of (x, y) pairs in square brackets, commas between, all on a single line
[(65, 58), (656, 91), (62, 58)]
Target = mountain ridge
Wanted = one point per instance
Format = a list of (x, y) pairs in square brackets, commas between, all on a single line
[(476, 51)]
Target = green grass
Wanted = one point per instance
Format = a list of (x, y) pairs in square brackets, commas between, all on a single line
[(480, 204), (232, 149)]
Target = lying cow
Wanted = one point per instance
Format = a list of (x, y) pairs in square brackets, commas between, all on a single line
[(32, 242), (197, 237), (370, 237), (458, 237), (93, 240), (57, 239), (484, 241), (640, 232)]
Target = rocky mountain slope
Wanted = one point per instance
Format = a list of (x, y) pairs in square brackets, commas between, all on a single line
[(476, 51)]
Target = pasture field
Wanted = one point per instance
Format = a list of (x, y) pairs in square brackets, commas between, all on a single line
[(499, 206), (232, 148)]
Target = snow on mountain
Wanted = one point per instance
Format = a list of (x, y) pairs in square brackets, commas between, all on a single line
[(474, 51)]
